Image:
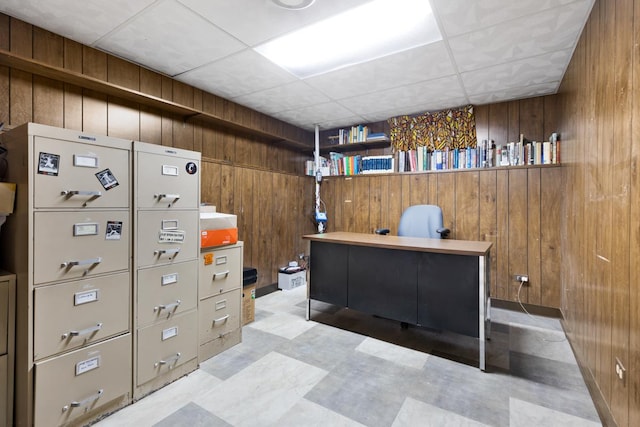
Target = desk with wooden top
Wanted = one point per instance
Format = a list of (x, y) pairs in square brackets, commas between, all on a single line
[(436, 283)]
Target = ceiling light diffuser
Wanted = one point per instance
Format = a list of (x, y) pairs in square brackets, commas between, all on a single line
[(373, 30)]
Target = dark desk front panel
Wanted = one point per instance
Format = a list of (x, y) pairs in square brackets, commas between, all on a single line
[(383, 282), (329, 273), (448, 294)]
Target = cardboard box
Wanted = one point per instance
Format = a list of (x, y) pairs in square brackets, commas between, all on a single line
[(210, 238), (217, 221), (288, 281), (248, 304), (7, 197)]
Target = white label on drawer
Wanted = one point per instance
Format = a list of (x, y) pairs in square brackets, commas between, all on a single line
[(166, 236), (85, 229), (85, 297), (169, 224), (169, 333), (169, 170), (221, 260), (169, 279), (87, 365), (85, 161), (221, 304)]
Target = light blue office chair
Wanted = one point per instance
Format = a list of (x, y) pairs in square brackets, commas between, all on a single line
[(421, 221)]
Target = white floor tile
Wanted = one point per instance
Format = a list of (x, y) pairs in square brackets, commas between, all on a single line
[(393, 353), (525, 414), (309, 414), (416, 413), (283, 324)]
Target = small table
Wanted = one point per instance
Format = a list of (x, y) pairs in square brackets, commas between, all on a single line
[(437, 283)]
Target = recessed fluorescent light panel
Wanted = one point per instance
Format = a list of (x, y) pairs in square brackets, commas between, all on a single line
[(373, 30)]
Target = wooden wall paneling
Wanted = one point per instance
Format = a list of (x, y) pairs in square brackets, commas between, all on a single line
[(21, 83), (502, 244), (550, 113), (432, 189), (406, 191), (243, 209), (227, 189), (532, 119), (197, 124), (534, 229), (166, 84), (498, 122), (94, 104), (261, 239), (481, 113), (224, 108), (5, 43), (183, 132), (211, 138), (348, 209), (48, 95), (150, 119), (394, 206), (243, 150), (418, 190), (329, 201), (551, 256), (467, 204), (210, 178), (634, 243), (518, 225), (282, 227), (123, 117), (487, 226), (513, 123), (447, 200), (72, 94), (338, 205), (361, 205), (5, 32), (306, 191), (376, 202)]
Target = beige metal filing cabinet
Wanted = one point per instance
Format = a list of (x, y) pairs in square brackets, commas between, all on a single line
[(166, 208), (69, 243), (7, 328), (220, 294)]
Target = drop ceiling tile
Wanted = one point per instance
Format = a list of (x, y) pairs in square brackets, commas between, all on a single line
[(462, 16), (170, 38), (515, 93), (316, 114), (254, 22), (423, 93), (423, 107), (407, 67), (238, 74), (282, 98), (343, 122), (548, 31), (85, 21), (525, 72)]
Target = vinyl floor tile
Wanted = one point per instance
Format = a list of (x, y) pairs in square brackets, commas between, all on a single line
[(416, 413)]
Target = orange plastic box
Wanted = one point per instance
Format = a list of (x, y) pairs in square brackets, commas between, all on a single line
[(225, 236)]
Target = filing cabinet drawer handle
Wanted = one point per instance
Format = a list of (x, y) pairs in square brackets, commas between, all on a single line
[(168, 196), (80, 193), (81, 262), (222, 319), (168, 307), (167, 251), (82, 332), (169, 360), (83, 402), (221, 275)]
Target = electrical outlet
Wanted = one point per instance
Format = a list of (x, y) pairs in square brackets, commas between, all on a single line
[(522, 278), (620, 370)]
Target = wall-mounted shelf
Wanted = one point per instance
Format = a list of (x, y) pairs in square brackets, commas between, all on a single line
[(354, 146), (11, 60)]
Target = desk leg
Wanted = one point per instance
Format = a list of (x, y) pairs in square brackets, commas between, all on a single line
[(308, 316), (483, 307)]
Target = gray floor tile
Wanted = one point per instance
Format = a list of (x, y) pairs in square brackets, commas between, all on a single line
[(192, 415)]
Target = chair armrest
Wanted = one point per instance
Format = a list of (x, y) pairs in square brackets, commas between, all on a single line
[(444, 232), (382, 231)]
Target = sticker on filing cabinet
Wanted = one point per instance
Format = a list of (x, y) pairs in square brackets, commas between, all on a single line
[(48, 164), (85, 161), (208, 259), (169, 170), (114, 230), (169, 279), (169, 333), (107, 179), (191, 168), (171, 236), (80, 298), (87, 365)]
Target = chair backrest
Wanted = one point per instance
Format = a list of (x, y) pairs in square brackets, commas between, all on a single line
[(421, 221)]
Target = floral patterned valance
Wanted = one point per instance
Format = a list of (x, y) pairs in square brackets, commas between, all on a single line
[(455, 128)]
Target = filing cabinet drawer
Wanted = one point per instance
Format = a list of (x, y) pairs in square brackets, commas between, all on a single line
[(166, 291), (76, 175), (4, 391), (70, 245), (74, 314), (220, 270), (4, 317), (219, 315), (166, 237), (165, 346), (71, 385), (167, 178)]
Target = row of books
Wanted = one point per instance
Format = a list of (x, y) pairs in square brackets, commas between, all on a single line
[(340, 164), (356, 134)]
